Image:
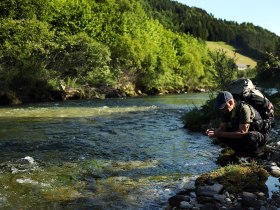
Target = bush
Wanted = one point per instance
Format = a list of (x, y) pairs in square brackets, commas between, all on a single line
[(192, 119), (203, 117), (25, 47), (82, 59), (225, 69)]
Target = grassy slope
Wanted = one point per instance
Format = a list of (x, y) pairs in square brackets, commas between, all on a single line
[(230, 50)]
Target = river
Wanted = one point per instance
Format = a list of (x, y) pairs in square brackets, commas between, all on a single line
[(100, 154)]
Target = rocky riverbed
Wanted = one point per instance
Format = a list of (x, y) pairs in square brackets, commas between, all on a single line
[(241, 183)]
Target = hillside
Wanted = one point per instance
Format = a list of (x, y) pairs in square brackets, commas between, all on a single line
[(57, 49), (232, 52), (91, 48), (250, 40)]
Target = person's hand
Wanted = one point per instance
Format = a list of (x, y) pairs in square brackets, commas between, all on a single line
[(210, 132)]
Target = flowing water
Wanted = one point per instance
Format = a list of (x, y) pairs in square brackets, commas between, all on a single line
[(100, 154)]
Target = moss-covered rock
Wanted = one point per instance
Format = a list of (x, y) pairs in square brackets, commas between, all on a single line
[(237, 178)]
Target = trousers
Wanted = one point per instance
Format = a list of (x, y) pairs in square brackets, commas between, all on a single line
[(248, 145)]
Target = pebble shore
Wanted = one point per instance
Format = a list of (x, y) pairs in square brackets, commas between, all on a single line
[(214, 195)]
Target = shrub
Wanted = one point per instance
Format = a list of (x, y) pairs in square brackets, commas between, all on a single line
[(24, 53), (83, 59), (202, 117)]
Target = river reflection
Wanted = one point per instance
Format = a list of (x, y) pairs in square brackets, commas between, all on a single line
[(99, 154)]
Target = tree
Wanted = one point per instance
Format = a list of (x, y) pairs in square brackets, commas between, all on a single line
[(225, 69), (82, 59), (24, 53), (268, 70), (24, 9)]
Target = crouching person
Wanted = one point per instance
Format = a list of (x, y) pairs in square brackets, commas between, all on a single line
[(240, 127)]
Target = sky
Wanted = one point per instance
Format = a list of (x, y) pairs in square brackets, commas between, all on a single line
[(263, 13)]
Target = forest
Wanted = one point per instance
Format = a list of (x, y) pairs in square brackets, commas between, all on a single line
[(125, 46), (250, 40)]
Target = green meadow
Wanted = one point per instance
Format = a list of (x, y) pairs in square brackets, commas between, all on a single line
[(232, 52)]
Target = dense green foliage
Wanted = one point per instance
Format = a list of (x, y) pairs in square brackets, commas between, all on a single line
[(226, 69), (107, 43), (269, 69), (249, 39), (93, 43), (268, 76)]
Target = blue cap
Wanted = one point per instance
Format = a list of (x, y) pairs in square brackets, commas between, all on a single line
[(222, 98)]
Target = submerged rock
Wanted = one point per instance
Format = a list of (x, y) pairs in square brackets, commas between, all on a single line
[(175, 201), (209, 190), (249, 200)]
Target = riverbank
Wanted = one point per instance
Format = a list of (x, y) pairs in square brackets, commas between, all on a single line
[(66, 93), (241, 183)]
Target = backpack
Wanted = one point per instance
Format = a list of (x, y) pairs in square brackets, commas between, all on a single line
[(257, 123), (244, 90)]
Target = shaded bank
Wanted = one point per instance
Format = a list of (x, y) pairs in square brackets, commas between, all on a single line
[(67, 93)]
